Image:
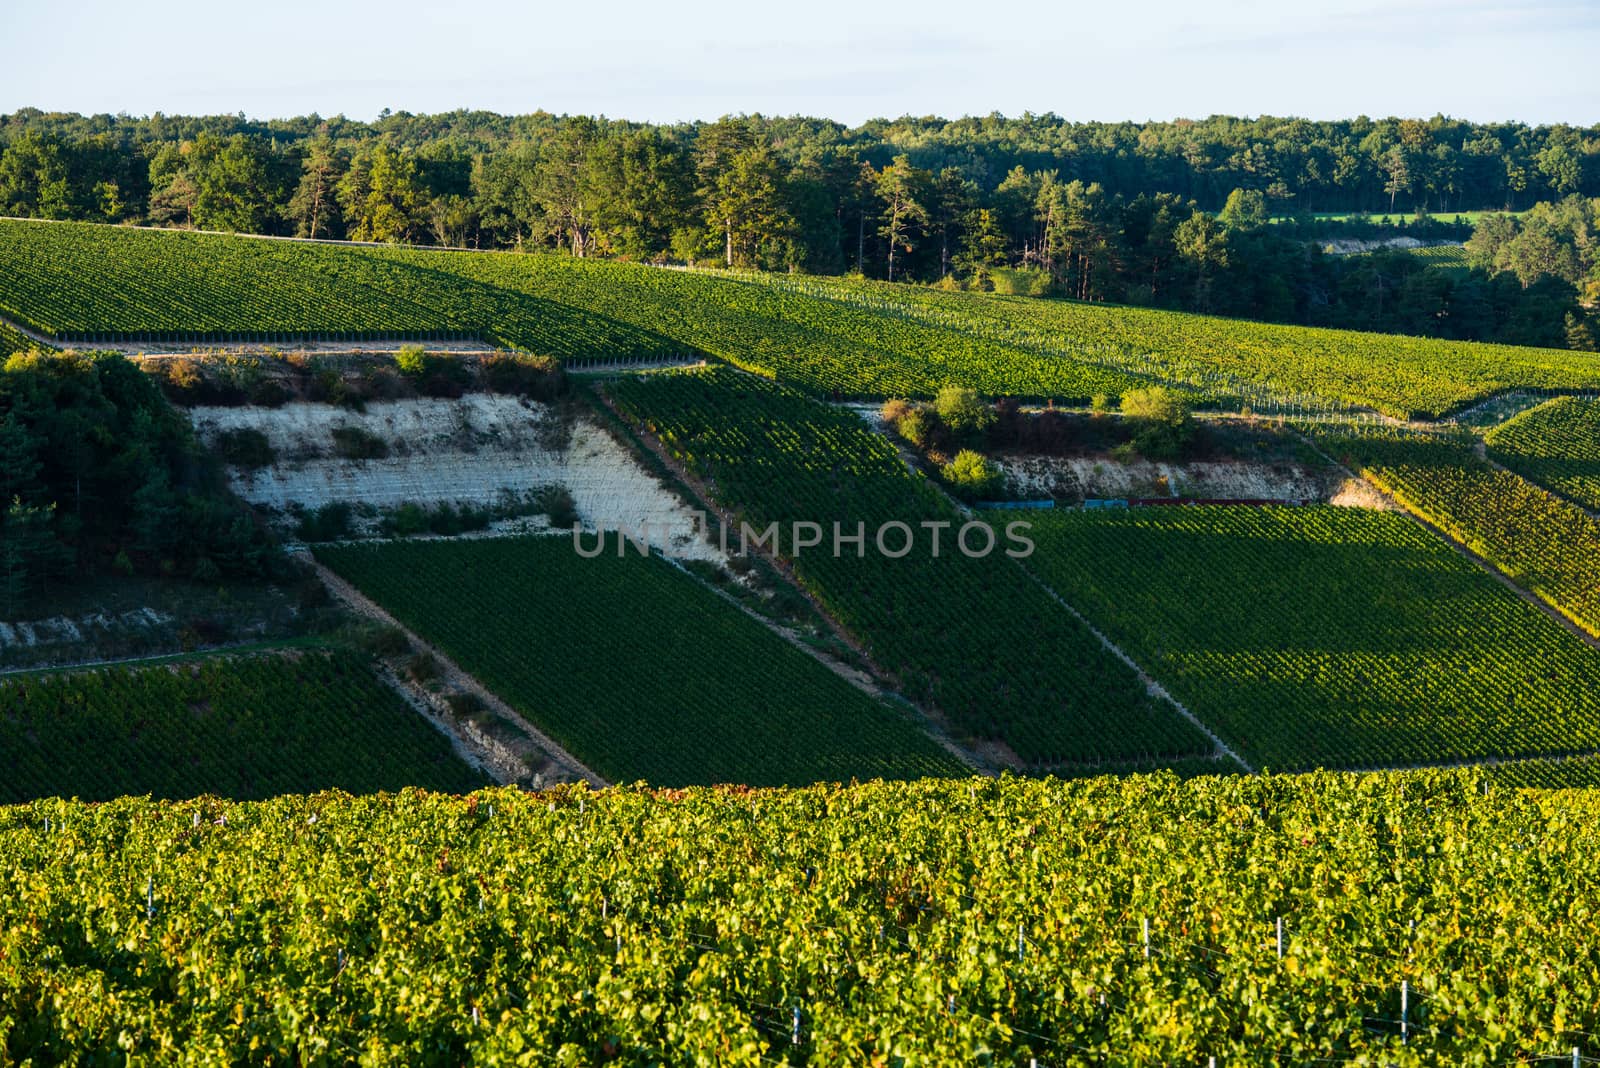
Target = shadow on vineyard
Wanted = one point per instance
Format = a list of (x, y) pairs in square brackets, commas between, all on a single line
[(777, 590)]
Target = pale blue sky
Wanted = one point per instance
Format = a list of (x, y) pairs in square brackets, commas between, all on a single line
[(1530, 60)]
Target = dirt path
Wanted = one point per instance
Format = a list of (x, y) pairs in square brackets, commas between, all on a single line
[(880, 682), (450, 670), (1220, 748), (31, 335), (859, 679)]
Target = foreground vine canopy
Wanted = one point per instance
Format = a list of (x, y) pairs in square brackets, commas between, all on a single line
[(1422, 918)]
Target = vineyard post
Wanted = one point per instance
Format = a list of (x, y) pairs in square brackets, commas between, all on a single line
[(1405, 1006), (1577, 1059), (1146, 923), (1280, 937)]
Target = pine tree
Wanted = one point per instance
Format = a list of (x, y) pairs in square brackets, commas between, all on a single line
[(19, 460)]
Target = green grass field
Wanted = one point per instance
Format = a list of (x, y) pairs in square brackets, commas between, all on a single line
[(1397, 218), (635, 668), (1326, 636), (237, 726)]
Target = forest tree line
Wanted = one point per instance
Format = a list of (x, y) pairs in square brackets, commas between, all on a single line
[(1171, 214)]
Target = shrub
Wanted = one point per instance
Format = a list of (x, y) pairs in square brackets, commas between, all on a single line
[(962, 410), (354, 443), (268, 393), (523, 374), (1164, 425), (182, 376), (894, 410), (384, 642), (560, 507), (435, 374), (326, 386), (423, 668), (331, 522), (411, 361), (464, 705), (972, 475), (406, 520), (245, 447), (916, 427)]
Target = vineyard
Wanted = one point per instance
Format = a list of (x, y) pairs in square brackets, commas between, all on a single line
[(1403, 919), (1556, 445), (1326, 637), (85, 283), (1452, 258), (635, 668), (11, 341), (241, 727), (971, 636), (1265, 366), (1542, 542), (819, 345)]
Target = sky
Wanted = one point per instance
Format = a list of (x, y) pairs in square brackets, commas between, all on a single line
[(1527, 60)]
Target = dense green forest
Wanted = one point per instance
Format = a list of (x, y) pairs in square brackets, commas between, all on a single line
[(98, 471), (1173, 214)]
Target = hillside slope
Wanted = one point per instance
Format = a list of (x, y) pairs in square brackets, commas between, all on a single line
[(1407, 919)]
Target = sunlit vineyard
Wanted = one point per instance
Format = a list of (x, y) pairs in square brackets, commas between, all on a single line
[(1542, 542), (11, 341), (635, 668), (239, 726), (87, 283), (819, 345), (1261, 364), (1451, 258), (1556, 445), (1326, 636), (974, 637), (1411, 919)]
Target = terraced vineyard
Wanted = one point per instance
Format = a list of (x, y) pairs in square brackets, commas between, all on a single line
[(820, 345), (239, 726), (11, 341), (1140, 921), (1264, 365), (1451, 258), (635, 668), (89, 283), (1556, 445), (1326, 636), (1543, 543), (973, 637)]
